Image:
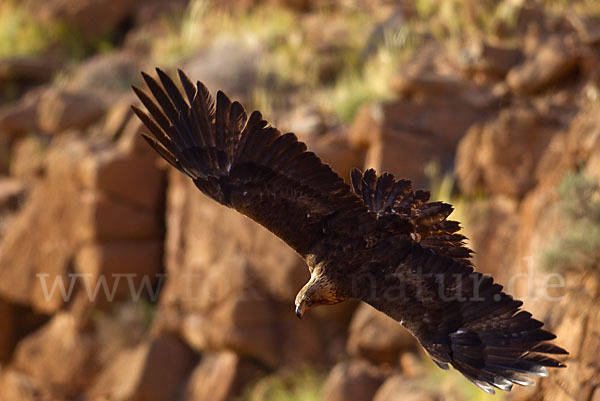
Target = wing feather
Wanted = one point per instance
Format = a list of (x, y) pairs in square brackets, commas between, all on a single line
[(398, 207), (461, 317), (244, 163)]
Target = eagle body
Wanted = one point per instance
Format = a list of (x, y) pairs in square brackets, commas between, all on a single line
[(378, 240)]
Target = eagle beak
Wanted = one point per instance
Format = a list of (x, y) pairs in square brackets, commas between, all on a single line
[(299, 311)]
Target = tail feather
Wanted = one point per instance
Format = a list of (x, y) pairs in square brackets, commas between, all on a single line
[(499, 358)]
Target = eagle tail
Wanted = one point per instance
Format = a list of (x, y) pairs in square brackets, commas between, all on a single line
[(500, 349), (395, 199)]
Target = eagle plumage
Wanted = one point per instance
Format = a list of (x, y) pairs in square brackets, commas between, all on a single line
[(378, 241)]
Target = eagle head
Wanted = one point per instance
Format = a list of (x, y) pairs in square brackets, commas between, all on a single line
[(319, 290)]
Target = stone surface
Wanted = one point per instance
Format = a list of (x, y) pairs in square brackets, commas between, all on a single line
[(58, 355), (103, 218), (121, 270), (403, 136), (28, 154), (378, 338), (18, 386), (397, 388), (83, 16), (354, 380), (155, 370), (502, 155), (134, 179), (220, 376), (60, 110), (21, 117), (549, 64)]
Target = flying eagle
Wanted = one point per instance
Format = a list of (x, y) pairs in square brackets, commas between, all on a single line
[(380, 241)]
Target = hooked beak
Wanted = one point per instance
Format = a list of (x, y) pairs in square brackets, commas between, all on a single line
[(300, 310)]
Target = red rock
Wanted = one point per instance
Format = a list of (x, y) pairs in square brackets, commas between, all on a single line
[(60, 110), (156, 370), (353, 380), (58, 355), (83, 16), (113, 262), (134, 179), (220, 376), (502, 156), (27, 158), (550, 63), (18, 386), (103, 218), (378, 338)]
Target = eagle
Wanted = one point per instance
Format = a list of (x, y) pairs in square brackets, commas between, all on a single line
[(378, 240)]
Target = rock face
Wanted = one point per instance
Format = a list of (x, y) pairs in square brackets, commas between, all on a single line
[(155, 370), (77, 213), (548, 65), (58, 355), (83, 16), (59, 111), (502, 155), (423, 126), (220, 377), (353, 380), (378, 338)]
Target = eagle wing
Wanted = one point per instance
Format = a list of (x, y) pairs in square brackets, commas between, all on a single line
[(401, 210), (461, 317), (245, 164)]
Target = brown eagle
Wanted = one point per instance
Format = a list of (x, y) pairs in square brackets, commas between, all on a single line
[(380, 241)]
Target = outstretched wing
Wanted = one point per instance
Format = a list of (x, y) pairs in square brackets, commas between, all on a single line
[(245, 164), (461, 317), (400, 209)]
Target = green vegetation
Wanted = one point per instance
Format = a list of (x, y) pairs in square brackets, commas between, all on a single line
[(300, 385), (299, 61), (20, 34), (578, 245), (23, 35)]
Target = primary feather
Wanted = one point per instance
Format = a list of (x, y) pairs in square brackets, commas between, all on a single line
[(381, 242)]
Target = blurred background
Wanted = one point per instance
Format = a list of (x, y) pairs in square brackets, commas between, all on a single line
[(120, 281)]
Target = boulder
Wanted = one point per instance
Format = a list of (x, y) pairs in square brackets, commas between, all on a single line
[(108, 74), (89, 186), (27, 157), (226, 65), (550, 63), (21, 117), (121, 270), (60, 110), (220, 376), (491, 227), (155, 370), (480, 57), (354, 380), (18, 386), (403, 136), (398, 388), (378, 338), (501, 156), (136, 180), (104, 218), (90, 19), (58, 355)]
